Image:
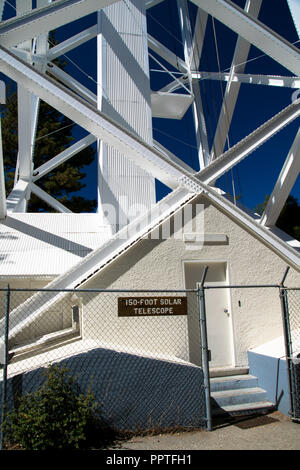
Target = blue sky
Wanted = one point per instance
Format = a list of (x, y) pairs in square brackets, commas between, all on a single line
[(257, 174), (254, 177)]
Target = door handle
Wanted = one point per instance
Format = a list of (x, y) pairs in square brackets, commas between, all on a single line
[(227, 312)]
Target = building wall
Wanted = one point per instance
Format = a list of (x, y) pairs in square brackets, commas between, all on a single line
[(56, 318), (18, 297), (159, 264)]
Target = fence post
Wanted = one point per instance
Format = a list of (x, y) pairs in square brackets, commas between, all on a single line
[(287, 342), (5, 364), (204, 347)]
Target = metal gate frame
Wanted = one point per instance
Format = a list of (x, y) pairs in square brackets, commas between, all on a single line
[(293, 364)]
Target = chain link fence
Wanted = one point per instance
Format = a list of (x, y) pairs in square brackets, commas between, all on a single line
[(145, 354), (292, 327), (131, 347)]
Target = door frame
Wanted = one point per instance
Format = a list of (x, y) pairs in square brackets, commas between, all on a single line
[(229, 298)]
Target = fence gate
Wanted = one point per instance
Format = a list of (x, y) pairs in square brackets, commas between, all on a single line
[(291, 304)]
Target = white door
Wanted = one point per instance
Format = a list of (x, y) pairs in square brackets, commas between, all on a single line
[(218, 317)]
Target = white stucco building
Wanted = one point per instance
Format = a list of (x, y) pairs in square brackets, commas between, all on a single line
[(238, 319), (151, 245)]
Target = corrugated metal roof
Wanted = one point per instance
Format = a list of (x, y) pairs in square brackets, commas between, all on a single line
[(47, 244)]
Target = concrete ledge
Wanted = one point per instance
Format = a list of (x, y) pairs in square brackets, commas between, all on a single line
[(227, 371)]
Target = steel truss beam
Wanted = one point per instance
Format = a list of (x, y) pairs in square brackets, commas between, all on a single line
[(90, 119), (250, 143), (232, 89), (251, 79), (72, 43), (72, 83), (63, 157), (2, 2), (295, 12), (17, 199), (254, 31), (189, 44), (43, 20), (27, 105), (51, 201), (285, 251), (152, 3), (198, 39), (113, 134), (284, 185), (166, 54)]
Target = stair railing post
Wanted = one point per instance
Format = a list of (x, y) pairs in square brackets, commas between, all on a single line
[(287, 343)]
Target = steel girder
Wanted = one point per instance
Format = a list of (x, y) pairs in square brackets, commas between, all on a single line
[(253, 31), (42, 20), (284, 185), (113, 134), (232, 89)]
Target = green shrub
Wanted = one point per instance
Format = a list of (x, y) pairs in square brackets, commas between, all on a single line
[(55, 416)]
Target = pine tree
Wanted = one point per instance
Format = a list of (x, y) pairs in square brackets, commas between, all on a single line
[(289, 219)]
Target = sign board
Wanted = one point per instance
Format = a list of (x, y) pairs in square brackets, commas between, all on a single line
[(151, 306)]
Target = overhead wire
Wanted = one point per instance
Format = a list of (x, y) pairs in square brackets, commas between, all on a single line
[(166, 29), (172, 74), (175, 138), (8, 3), (54, 132), (169, 72)]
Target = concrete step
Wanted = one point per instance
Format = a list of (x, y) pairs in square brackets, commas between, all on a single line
[(233, 382), (237, 394), (240, 396), (227, 371), (244, 409)]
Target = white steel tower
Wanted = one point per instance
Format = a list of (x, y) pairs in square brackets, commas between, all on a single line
[(120, 115), (124, 95)]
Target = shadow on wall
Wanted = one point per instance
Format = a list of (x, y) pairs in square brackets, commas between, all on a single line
[(137, 393), (273, 377)]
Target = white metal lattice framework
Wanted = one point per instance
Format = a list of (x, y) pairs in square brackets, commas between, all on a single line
[(124, 132), (129, 158)]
